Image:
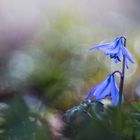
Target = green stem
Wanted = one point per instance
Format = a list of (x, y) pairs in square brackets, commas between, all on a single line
[(119, 108), (122, 76)]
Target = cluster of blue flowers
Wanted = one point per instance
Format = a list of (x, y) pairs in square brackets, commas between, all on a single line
[(108, 88)]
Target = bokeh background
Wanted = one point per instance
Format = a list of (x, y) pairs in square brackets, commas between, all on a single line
[(45, 65)]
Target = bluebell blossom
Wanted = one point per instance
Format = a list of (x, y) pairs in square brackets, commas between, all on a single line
[(116, 50), (106, 89)]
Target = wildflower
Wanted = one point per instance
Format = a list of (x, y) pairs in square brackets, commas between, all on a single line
[(116, 50), (106, 89)]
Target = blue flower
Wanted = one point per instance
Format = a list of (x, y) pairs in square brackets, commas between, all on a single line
[(107, 88), (116, 50)]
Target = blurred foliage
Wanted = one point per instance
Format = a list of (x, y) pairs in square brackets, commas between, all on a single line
[(63, 66), (16, 123), (50, 75), (91, 120)]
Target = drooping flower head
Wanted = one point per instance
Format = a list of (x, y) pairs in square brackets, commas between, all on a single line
[(107, 88), (116, 50)]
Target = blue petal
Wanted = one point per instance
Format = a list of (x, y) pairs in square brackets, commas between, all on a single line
[(115, 48), (103, 89), (117, 57), (100, 91), (126, 63), (111, 48), (91, 93), (127, 54), (116, 40), (101, 47), (114, 91)]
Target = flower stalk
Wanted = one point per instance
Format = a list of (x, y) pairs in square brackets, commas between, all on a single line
[(122, 76)]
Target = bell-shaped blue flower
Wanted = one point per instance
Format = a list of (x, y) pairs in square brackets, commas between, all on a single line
[(107, 88), (116, 50)]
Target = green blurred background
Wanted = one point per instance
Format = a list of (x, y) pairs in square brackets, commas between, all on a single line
[(45, 65)]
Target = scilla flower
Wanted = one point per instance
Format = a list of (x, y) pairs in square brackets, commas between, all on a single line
[(116, 50), (106, 89)]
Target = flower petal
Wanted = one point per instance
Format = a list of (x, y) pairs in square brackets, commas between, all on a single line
[(101, 47), (127, 54), (100, 91), (114, 91), (103, 89), (91, 93)]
